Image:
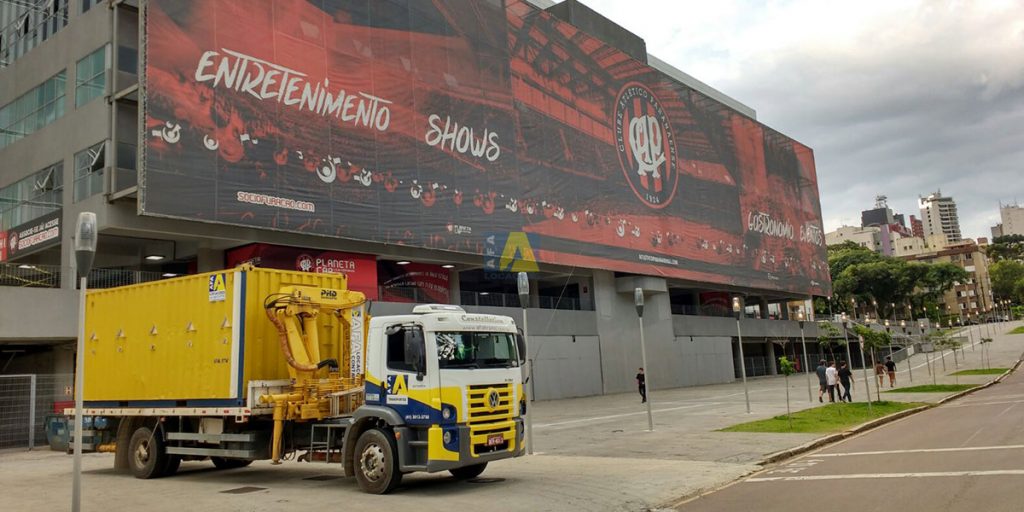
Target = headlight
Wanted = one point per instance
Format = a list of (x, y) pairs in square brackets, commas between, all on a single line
[(447, 414), (447, 437)]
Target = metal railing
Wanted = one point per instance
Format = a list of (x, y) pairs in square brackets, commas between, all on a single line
[(25, 403), (49, 276), (511, 300)]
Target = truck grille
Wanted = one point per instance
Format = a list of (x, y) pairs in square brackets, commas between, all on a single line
[(490, 403)]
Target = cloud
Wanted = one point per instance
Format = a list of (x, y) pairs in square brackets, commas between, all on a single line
[(896, 98)]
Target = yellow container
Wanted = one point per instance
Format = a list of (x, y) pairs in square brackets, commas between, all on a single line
[(195, 340)]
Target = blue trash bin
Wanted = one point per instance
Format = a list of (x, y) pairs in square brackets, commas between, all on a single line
[(57, 432)]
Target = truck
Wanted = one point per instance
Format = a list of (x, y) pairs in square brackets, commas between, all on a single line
[(253, 363)]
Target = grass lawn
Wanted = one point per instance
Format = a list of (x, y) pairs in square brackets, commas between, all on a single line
[(1019, 330), (932, 388), (982, 371), (827, 418)]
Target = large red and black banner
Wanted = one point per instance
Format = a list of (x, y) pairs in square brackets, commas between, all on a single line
[(437, 124)]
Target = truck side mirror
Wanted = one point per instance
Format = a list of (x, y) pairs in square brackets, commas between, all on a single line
[(521, 348), (414, 350)]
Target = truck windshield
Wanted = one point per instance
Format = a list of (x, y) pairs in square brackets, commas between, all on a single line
[(476, 350)]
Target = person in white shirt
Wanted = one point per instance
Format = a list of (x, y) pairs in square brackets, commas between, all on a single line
[(831, 379)]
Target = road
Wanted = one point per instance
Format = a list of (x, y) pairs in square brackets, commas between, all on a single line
[(967, 455)]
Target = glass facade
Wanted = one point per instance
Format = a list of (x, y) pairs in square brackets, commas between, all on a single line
[(32, 111), (32, 196), (91, 77), (89, 166), (25, 24)]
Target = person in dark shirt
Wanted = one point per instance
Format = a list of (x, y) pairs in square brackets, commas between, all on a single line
[(641, 382), (890, 367), (846, 379), (822, 382)]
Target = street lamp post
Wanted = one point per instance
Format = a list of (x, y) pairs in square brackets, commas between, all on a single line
[(85, 251), (638, 299), (523, 283), (910, 370), (970, 332), (890, 337), (807, 367), (853, 302), (864, 367), (846, 339), (927, 356), (738, 310)]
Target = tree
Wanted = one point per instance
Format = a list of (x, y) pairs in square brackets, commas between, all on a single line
[(1007, 279), (787, 369), (829, 335), (1006, 248), (871, 341)]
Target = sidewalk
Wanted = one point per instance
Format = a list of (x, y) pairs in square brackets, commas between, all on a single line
[(591, 454)]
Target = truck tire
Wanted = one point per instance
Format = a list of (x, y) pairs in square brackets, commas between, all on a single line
[(467, 472), (225, 463), (376, 462), (147, 455)]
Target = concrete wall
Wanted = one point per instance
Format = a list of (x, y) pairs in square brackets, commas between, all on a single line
[(38, 314)]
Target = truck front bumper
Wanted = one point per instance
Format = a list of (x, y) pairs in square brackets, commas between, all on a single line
[(472, 447)]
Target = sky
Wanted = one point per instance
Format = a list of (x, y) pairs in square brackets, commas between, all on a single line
[(896, 98)]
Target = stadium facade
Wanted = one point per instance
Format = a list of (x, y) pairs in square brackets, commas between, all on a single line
[(428, 150)]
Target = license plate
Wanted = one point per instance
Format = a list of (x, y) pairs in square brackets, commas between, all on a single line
[(495, 439)]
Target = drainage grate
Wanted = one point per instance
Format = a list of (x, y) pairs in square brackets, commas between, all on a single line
[(485, 480), (243, 490), (322, 478)]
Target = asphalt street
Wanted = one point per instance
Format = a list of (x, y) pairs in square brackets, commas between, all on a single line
[(967, 455)]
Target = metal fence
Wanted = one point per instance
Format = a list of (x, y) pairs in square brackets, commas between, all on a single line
[(25, 403), (48, 276)]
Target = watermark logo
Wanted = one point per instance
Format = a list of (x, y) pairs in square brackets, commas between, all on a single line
[(646, 146), (506, 254)]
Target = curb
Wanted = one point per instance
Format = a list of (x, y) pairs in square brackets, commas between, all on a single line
[(832, 438)]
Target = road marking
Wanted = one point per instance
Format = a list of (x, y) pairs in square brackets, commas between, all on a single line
[(861, 476), (969, 439), (926, 450), (981, 404), (613, 416), (1006, 410)]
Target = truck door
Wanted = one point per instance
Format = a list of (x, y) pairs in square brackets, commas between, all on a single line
[(411, 382)]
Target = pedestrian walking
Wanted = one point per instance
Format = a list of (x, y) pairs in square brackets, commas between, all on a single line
[(846, 379), (890, 368), (880, 372), (820, 371), (831, 380), (641, 382)]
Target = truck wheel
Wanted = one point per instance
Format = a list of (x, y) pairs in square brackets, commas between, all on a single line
[(225, 463), (147, 455), (376, 462), (467, 472)]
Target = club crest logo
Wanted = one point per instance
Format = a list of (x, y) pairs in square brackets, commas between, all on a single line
[(646, 145), (304, 263)]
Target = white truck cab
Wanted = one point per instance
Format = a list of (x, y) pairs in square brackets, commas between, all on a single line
[(450, 384)]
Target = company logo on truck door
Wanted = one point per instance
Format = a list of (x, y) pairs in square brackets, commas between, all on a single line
[(398, 390)]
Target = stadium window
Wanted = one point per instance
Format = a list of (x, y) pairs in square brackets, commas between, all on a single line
[(32, 111), (89, 166), (32, 197), (89, 4), (91, 76)]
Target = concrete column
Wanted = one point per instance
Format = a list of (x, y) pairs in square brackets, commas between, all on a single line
[(618, 332), (454, 287), (209, 260), (773, 368), (762, 306)]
